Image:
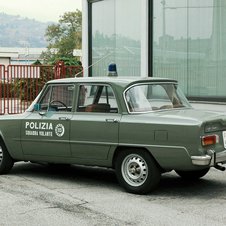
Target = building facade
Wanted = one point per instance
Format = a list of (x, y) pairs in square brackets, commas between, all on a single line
[(180, 39), (26, 56)]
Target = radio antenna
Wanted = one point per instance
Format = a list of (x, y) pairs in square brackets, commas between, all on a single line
[(97, 61)]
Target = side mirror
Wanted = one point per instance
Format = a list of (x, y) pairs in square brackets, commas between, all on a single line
[(37, 107)]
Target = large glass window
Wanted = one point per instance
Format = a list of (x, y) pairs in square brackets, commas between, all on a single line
[(189, 44), (116, 37)]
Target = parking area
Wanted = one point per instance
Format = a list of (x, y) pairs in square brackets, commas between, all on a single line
[(34, 194)]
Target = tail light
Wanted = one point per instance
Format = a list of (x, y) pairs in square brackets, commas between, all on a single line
[(208, 140)]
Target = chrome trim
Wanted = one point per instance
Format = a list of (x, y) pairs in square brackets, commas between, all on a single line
[(144, 83), (174, 82), (201, 160), (212, 153), (221, 157), (211, 159)]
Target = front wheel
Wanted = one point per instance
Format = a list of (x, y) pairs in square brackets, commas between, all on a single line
[(192, 175), (6, 162), (137, 171)]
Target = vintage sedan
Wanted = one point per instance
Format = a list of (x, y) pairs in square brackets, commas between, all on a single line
[(141, 127)]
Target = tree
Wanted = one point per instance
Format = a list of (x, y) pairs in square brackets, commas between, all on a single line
[(64, 37), (37, 62)]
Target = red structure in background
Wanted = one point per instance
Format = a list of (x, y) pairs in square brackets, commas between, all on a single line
[(59, 71), (20, 84)]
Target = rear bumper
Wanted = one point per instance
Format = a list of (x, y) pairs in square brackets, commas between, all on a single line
[(211, 159)]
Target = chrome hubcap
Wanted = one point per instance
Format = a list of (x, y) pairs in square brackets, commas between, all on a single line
[(134, 170)]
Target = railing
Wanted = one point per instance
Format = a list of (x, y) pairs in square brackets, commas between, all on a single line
[(22, 83), (2, 89)]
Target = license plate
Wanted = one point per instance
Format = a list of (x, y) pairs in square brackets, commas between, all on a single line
[(224, 138)]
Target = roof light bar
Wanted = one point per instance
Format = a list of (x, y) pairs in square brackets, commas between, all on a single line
[(112, 70)]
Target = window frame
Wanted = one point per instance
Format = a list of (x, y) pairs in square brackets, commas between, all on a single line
[(97, 84), (50, 87), (151, 111)]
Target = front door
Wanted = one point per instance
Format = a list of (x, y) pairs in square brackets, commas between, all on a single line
[(46, 131)]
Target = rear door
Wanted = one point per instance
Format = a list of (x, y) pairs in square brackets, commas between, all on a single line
[(95, 125)]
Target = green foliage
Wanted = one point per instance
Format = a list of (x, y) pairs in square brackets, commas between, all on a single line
[(63, 37), (37, 62), (67, 61), (11, 94)]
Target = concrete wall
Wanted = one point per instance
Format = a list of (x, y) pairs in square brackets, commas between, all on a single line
[(5, 57), (5, 60)]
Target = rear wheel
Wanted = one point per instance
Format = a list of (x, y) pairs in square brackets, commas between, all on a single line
[(6, 162), (192, 175), (137, 171)]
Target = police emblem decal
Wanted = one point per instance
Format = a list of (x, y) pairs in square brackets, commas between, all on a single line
[(59, 130)]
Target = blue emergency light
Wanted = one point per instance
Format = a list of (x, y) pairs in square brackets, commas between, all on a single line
[(112, 71)]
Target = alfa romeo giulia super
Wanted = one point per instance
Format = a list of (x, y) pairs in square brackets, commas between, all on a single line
[(141, 127)]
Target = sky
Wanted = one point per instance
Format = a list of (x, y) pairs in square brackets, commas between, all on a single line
[(41, 10)]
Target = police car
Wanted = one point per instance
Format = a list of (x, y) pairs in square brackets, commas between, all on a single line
[(141, 127)]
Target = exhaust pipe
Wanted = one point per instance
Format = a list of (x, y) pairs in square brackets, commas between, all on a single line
[(220, 167)]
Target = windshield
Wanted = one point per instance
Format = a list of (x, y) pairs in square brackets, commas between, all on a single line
[(152, 97)]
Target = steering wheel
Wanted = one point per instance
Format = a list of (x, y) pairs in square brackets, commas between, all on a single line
[(59, 102)]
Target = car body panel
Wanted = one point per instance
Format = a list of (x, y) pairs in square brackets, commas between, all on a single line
[(41, 133), (92, 135)]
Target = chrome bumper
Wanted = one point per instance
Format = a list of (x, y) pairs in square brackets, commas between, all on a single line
[(211, 159)]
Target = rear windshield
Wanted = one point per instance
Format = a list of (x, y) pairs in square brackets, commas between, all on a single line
[(153, 97)]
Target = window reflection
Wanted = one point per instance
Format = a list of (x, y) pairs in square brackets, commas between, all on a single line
[(152, 97), (190, 45), (116, 36)]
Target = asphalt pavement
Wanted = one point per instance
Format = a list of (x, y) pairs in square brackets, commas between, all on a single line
[(33, 194)]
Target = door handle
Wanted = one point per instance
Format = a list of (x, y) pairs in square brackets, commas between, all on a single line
[(42, 113), (64, 118), (112, 120)]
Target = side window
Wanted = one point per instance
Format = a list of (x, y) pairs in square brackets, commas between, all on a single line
[(97, 98), (57, 98)]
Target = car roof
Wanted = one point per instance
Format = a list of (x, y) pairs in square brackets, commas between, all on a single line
[(121, 81)]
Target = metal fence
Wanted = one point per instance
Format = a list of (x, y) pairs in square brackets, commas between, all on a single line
[(22, 83), (2, 89)]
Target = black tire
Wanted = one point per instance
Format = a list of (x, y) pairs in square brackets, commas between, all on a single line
[(6, 162), (137, 171), (192, 175)]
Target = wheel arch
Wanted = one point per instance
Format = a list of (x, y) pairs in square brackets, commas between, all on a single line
[(122, 148), (4, 143), (2, 139)]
